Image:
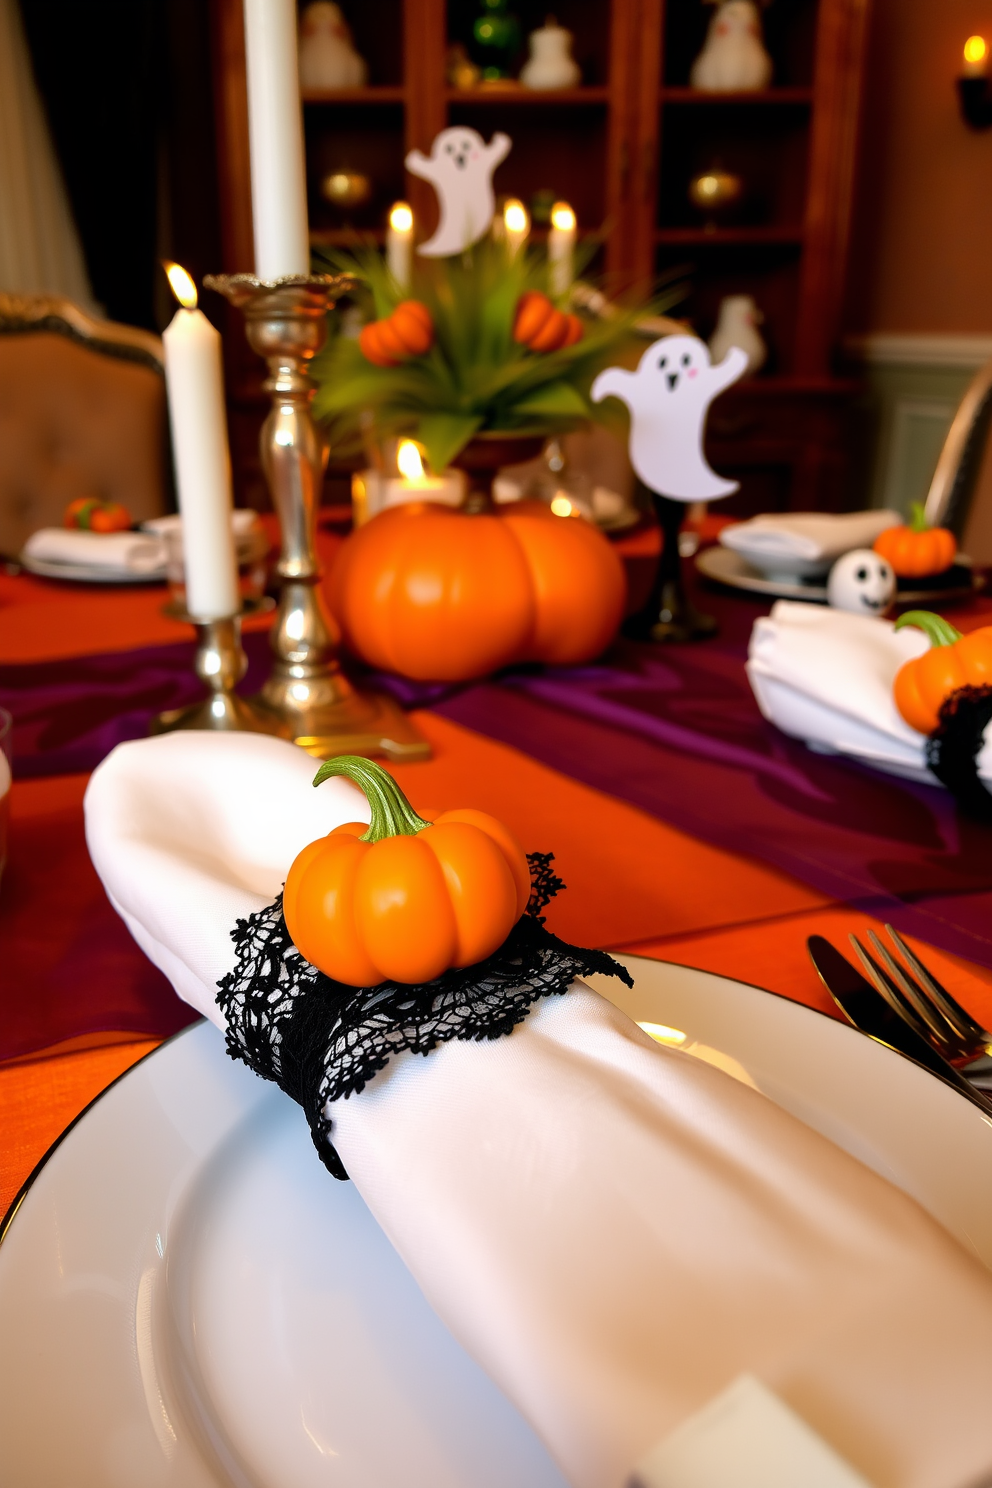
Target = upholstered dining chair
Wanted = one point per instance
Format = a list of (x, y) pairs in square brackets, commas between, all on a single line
[(82, 413), (960, 495)]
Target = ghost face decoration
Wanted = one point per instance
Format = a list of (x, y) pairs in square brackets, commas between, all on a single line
[(460, 168), (668, 397), (862, 583)]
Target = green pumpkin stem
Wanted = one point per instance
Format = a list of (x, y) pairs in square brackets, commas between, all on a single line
[(392, 814), (938, 631), (918, 517)]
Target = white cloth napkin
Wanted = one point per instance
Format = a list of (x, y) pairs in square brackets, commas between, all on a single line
[(120, 552), (804, 541), (614, 1229), (826, 676)]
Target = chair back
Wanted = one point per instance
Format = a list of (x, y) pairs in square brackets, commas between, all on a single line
[(82, 413), (960, 495)]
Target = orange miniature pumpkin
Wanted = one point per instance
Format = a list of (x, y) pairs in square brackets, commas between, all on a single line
[(408, 332), (405, 898), (439, 595), (954, 661), (916, 551), (541, 326), (93, 515)]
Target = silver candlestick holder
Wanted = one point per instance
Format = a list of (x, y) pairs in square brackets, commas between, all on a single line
[(220, 664), (307, 695)]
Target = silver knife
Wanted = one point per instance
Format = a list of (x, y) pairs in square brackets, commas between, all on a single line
[(863, 1006)]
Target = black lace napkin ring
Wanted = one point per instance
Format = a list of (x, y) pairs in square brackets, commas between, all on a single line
[(321, 1040), (954, 746)]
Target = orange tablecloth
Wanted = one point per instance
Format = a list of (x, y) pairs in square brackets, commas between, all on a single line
[(634, 883)]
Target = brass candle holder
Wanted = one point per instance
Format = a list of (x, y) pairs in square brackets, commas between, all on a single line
[(307, 696), (220, 663)]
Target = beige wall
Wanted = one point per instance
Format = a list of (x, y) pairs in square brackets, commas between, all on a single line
[(922, 235)]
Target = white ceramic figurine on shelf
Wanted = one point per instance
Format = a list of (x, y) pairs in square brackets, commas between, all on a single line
[(733, 59), (460, 168), (861, 582), (737, 325), (551, 64), (327, 54), (669, 396)]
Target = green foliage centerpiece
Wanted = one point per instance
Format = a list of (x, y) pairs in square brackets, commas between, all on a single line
[(475, 377)]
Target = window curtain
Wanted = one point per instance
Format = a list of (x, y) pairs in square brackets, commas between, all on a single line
[(40, 251)]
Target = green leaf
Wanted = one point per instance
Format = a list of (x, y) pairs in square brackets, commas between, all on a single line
[(444, 435), (559, 398)]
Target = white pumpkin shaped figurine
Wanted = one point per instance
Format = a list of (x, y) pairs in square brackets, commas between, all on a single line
[(733, 59), (737, 325), (328, 59), (861, 582), (551, 64)]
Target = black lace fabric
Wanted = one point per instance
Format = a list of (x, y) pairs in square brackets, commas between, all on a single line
[(321, 1040)]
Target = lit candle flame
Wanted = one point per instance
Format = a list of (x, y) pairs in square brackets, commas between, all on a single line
[(515, 217), (401, 217), (562, 217), (408, 461), (561, 506), (181, 284), (975, 50)]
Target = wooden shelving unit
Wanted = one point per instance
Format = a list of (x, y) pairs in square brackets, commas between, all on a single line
[(621, 148)]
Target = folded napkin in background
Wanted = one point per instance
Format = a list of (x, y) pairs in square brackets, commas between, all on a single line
[(804, 542), (614, 1229), (826, 676), (121, 552)]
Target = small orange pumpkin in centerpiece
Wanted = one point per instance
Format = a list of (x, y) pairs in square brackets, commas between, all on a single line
[(540, 326), (915, 550), (443, 596), (408, 332), (404, 898)]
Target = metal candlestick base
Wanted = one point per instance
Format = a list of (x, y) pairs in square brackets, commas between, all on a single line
[(307, 694), (220, 663)]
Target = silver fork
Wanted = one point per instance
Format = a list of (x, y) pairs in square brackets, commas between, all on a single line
[(916, 995)]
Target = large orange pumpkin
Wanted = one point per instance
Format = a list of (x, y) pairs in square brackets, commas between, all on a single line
[(439, 595)]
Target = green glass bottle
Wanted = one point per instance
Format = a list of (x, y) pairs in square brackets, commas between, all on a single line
[(496, 33)]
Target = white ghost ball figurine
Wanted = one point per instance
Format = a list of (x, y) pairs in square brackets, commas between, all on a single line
[(862, 582)]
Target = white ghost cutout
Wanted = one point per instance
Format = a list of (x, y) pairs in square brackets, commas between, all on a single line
[(460, 168), (668, 397), (861, 582)]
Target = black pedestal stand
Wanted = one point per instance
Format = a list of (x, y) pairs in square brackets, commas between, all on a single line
[(668, 614)]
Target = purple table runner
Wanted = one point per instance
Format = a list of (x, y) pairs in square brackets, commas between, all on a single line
[(674, 731)]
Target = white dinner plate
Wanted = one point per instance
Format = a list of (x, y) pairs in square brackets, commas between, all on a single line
[(188, 1298), (88, 573), (730, 568)]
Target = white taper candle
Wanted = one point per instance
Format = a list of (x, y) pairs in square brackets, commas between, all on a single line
[(275, 131), (399, 243), (194, 379), (561, 249), (516, 224)]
